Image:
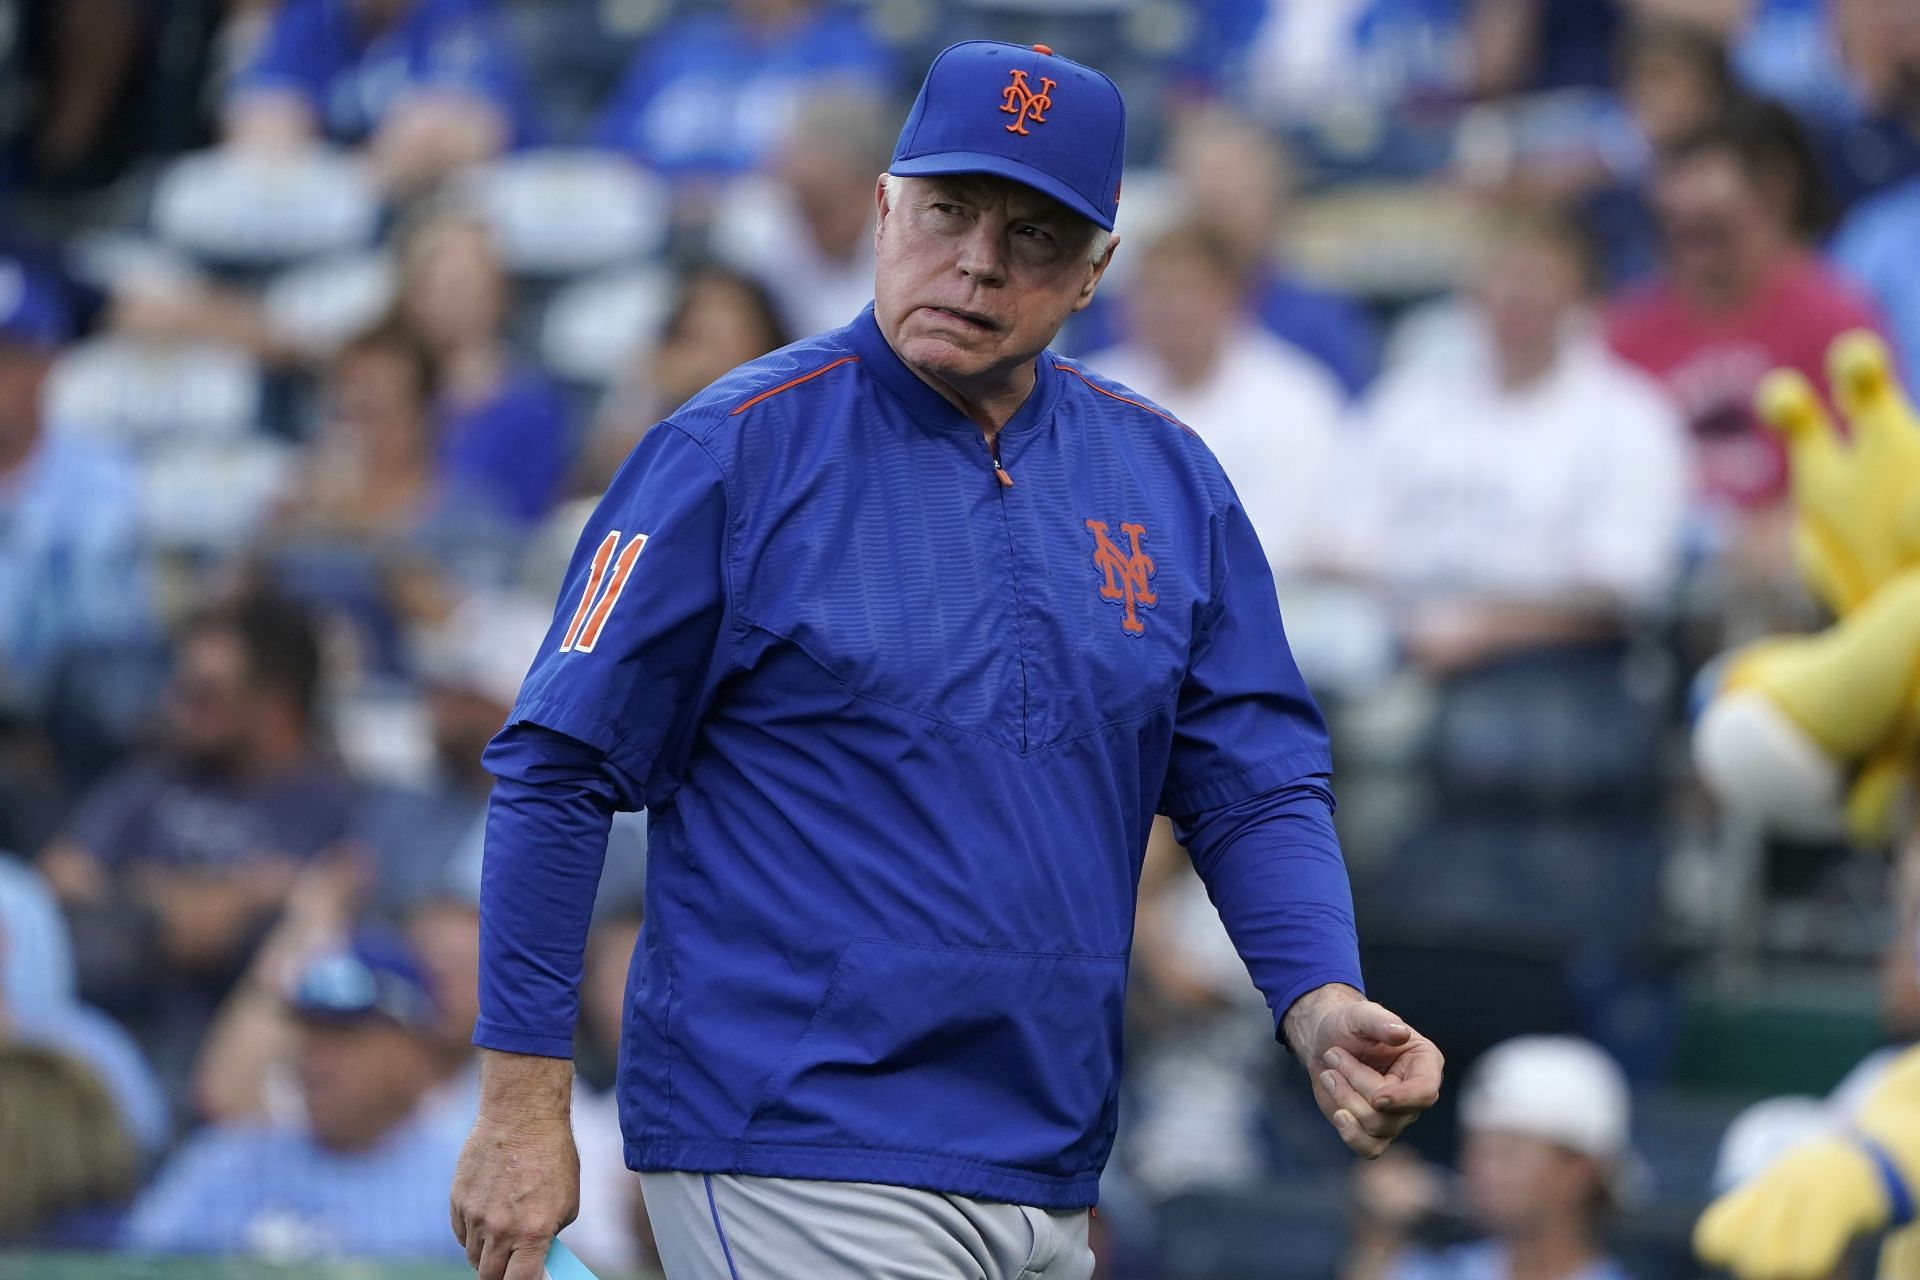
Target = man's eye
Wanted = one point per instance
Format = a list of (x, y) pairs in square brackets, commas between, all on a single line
[(953, 209), (1032, 232)]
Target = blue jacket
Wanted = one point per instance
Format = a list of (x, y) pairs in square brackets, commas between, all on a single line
[(901, 720)]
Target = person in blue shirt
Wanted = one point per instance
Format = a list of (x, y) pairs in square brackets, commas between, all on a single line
[(1879, 246), (75, 594), (429, 87), (902, 635), (711, 95), (359, 1176), (504, 434)]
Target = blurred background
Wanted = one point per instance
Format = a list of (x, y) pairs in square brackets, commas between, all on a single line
[(322, 323)]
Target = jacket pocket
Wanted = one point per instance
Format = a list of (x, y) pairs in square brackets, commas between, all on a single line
[(998, 1057)]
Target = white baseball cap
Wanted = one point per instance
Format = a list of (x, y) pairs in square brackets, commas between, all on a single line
[(1565, 1090)]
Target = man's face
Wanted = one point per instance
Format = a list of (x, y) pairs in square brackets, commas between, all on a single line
[(1182, 308), (1514, 1181), (359, 1079), (447, 937), (376, 399), (1711, 213), (212, 698), (23, 371), (976, 274), (1236, 189), (1526, 288)]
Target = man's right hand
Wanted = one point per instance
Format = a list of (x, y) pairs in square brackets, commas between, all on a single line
[(518, 1181)]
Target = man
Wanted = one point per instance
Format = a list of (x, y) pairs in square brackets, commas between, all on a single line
[(902, 634), (1530, 498), (359, 1177), (1739, 298), (172, 867), (1234, 180), (808, 233), (1546, 1156), (1268, 411), (429, 87)]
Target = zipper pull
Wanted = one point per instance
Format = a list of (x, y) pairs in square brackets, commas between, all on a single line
[(993, 451)]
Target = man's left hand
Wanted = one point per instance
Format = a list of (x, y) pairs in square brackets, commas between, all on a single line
[(1372, 1073)]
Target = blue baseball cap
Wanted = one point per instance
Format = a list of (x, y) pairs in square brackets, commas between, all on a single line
[(32, 311), (1022, 112), (372, 974)]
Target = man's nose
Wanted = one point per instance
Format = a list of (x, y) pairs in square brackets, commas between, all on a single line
[(983, 256)]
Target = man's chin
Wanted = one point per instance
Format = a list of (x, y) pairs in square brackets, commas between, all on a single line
[(942, 357)]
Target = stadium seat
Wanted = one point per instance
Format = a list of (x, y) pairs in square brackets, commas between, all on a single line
[(210, 498), (248, 211), (321, 304), (591, 329), (143, 392), (562, 212)]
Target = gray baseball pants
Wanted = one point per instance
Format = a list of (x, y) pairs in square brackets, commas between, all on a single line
[(724, 1227)]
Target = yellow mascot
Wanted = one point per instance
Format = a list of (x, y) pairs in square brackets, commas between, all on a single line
[(1822, 732)]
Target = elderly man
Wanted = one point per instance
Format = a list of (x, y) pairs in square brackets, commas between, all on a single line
[(902, 634), (357, 1178)]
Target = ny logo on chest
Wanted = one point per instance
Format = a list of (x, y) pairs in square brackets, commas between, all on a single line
[(1125, 577)]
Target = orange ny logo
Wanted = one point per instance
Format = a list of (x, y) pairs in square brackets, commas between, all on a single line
[(1127, 572), (589, 617), (1023, 104)]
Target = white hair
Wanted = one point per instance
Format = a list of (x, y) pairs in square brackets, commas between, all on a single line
[(1097, 251)]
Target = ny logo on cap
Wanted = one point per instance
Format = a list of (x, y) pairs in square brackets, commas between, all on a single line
[(1023, 104)]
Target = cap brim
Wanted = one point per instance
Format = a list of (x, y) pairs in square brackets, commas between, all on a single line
[(928, 166)]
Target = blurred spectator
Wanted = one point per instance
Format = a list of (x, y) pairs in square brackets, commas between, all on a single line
[(70, 1165), (1270, 413), (1529, 497), (470, 666), (720, 318), (503, 430), (372, 516), (1871, 138), (611, 1232), (39, 1005), (1738, 298), (1316, 59), (370, 475), (243, 1071), (811, 237), (444, 932), (173, 866), (1673, 80), (1879, 247), (74, 594), (712, 94), (364, 1172), (429, 87), (1545, 1159), (1519, 46), (1234, 179)]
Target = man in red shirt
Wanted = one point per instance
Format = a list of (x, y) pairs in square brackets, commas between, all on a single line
[(1739, 297)]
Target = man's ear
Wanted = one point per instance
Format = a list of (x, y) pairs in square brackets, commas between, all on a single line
[(881, 204), (1094, 273)]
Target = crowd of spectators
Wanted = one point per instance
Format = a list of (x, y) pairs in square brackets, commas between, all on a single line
[(323, 322)]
